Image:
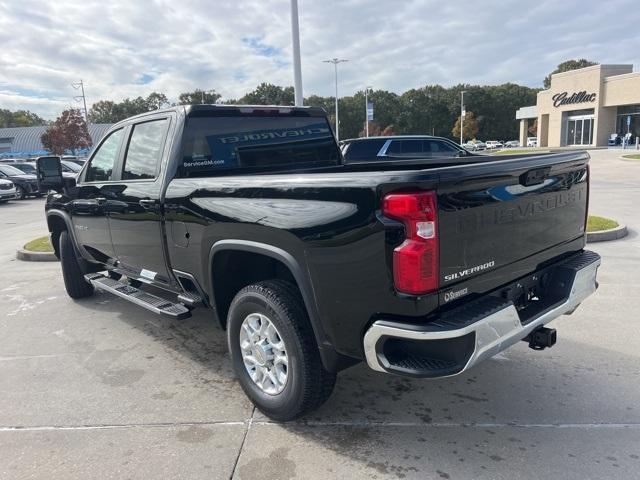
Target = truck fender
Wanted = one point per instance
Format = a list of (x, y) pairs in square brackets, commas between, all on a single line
[(327, 352)]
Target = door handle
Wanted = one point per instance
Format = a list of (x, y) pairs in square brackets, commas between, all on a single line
[(148, 203)]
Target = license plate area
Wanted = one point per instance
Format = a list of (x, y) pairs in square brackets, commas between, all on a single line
[(538, 292)]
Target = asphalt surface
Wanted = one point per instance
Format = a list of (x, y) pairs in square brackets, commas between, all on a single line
[(102, 389)]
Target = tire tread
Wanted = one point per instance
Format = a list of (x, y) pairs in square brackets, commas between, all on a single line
[(317, 382), (74, 282)]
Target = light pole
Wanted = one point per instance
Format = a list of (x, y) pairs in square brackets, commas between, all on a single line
[(462, 114), (295, 41), (80, 86), (366, 110), (335, 62)]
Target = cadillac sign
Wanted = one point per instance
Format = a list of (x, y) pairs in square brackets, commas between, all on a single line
[(563, 98)]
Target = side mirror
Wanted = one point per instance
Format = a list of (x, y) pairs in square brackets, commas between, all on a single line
[(49, 173)]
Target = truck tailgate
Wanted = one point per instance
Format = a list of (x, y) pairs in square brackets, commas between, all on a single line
[(497, 224)]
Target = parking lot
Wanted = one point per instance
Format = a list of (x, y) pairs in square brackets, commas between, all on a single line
[(99, 388)]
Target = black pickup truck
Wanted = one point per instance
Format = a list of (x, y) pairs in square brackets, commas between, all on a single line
[(419, 268)]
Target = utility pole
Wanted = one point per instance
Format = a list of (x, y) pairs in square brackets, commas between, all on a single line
[(462, 114), (77, 98), (335, 62), (297, 67), (366, 111)]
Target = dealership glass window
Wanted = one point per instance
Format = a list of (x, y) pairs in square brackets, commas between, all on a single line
[(628, 120)]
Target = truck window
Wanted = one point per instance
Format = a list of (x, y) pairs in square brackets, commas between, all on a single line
[(145, 149), (216, 144), (439, 148), (405, 147), (101, 165), (364, 149)]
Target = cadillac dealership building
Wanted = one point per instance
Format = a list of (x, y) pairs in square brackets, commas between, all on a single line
[(585, 107)]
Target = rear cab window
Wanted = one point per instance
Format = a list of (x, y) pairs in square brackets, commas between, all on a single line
[(144, 151), (217, 143)]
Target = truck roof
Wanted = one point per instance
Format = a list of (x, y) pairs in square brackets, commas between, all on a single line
[(235, 109)]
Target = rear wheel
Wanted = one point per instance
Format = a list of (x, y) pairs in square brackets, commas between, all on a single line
[(72, 272), (274, 353)]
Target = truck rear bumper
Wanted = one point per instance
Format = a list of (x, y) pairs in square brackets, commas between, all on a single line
[(465, 336)]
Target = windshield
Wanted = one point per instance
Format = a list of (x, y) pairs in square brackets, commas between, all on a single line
[(215, 144), (9, 170)]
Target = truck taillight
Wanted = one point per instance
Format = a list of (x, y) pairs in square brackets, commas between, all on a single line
[(415, 261)]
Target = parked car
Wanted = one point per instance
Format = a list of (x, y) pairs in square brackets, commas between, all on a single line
[(70, 169), (491, 144), (532, 141), (313, 265), (475, 145), (72, 158), (26, 185), (369, 149), (7, 190), (512, 144), (24, 166)]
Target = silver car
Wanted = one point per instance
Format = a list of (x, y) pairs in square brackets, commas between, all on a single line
[(7, 190)]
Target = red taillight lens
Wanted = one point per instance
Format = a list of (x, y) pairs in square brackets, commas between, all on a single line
[(415, 261)]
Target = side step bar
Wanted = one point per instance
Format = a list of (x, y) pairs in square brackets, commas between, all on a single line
[(143, 299)]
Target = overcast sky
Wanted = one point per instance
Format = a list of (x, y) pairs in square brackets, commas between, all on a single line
[(126, 48)]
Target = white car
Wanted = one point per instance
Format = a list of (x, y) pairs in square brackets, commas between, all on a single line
[(532, 141), (512, 144), (7, 190), (474, 146), (493, 144)]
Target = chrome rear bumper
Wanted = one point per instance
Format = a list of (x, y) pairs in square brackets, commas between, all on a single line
[(484, 337)]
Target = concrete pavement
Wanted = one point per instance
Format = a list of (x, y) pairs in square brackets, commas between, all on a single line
[(100, 388)]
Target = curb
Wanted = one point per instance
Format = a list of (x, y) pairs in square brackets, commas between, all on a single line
[(606, 235), (629, 159), (27, 256)]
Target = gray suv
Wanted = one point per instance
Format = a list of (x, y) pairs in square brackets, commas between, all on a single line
[(403, 147)]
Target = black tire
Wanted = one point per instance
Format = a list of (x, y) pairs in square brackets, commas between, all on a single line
[(72, 272), (308, 384), (21, 194)]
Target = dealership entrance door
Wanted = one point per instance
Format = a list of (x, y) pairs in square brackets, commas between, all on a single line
[(579, 129)]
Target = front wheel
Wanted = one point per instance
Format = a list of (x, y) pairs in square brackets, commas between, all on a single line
[(274, 353), (21, 194), (72, 272)]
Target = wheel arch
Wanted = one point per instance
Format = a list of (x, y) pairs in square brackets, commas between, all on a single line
[(57, 222), (265, 260)]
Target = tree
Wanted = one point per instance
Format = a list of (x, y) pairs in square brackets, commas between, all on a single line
[(68, 132), (19, 118), (107, 111), (198, 97), (268, 94), (156, 101), (470, 126), (568, 66), (388, 131)]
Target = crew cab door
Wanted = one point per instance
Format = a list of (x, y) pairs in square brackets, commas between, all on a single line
[(90, 206), (136, 228)]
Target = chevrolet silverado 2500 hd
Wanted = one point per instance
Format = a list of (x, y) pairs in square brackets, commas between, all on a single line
[(419, 267)]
